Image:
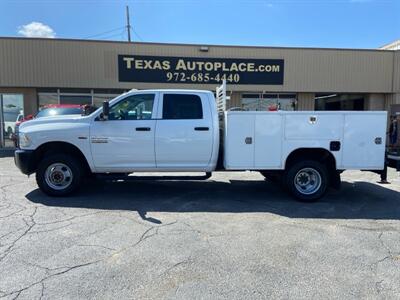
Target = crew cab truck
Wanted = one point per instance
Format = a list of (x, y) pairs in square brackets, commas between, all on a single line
[(189, 130)]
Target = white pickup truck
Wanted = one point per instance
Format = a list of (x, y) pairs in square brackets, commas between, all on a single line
[(191, 131)]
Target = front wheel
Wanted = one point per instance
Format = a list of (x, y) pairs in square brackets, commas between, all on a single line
[(59, 175), (307, 180)]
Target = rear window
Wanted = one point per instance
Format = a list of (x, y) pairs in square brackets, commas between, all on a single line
[(181, 106), (47, 112)]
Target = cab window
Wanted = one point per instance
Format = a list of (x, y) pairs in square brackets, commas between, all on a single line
[(182, 106), (135, 107)]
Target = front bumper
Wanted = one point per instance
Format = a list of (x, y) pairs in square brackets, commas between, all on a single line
[(25, 161)]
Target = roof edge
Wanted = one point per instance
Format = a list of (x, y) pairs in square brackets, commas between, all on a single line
[(185, 44)]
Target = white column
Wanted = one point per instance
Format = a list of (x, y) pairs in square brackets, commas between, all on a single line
[(374, 102), (305, 101)]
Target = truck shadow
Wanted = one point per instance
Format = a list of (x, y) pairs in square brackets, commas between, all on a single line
[(360, 200)]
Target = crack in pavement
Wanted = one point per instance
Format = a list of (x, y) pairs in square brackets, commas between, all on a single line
[(389, 251), (50, 230), (9, 233), (145, 235), (33, 223), (42, 291), (378, 284), (12, 214), (186, 261), (3, 189), (9, 249), (70, 219), (99, 246), (66, 269)]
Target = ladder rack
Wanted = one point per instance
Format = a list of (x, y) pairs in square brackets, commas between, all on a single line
[(220, 95)]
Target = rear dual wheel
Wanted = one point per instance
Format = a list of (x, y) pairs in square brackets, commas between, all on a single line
[(307, 180)]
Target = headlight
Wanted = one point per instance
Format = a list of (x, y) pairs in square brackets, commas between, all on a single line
[(24, 140)]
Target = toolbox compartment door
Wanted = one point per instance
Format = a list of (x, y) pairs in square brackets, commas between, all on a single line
[(364, 141), (268, 140), (239, 141)]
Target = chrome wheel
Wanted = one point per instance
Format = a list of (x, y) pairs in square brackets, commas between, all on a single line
[(307, 181), (58, 176)]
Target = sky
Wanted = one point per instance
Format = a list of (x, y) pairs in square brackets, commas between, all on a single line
[(287, 23)]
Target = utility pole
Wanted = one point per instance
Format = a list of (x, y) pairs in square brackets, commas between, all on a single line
[(128, 24)]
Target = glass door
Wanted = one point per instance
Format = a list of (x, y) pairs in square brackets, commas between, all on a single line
[(11, 111)]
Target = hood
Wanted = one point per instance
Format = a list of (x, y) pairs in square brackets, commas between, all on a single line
[(60, 119), (66, 128)]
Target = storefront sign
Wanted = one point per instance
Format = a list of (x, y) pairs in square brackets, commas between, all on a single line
[(164, 69)]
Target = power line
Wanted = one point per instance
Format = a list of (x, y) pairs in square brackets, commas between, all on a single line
[(137, 34), (120, 34), (103, 33), (125, 30)]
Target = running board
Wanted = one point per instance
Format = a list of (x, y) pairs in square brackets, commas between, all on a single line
[(114, 177)]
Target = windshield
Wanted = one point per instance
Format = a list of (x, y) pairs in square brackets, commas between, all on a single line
[(47, 112)]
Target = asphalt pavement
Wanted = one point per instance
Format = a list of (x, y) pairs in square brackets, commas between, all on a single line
[(233, 236)]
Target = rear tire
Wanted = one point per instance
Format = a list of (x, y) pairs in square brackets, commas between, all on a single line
[(307, 180), (59, 175)]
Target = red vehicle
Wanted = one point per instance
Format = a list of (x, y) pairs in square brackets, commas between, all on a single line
[(51, 110)]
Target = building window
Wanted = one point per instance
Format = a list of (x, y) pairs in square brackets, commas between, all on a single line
[(268, 101), (47, 98), (331, 101), (101, 95), (96, 97), (76, 99), (11, 111)]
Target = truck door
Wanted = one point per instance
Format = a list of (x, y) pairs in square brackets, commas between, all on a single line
[(125, 142), (184, 131)]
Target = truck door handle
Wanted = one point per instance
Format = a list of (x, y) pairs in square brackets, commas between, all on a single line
[(143, 129), (201, 128)]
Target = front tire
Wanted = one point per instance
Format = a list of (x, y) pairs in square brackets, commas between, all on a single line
[(307, 180), (59, 175)]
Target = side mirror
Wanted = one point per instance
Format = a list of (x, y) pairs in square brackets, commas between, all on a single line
[(106, 110)]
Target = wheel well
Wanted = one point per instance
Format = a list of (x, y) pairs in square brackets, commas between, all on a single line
[(60, 147), (319, 154)]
